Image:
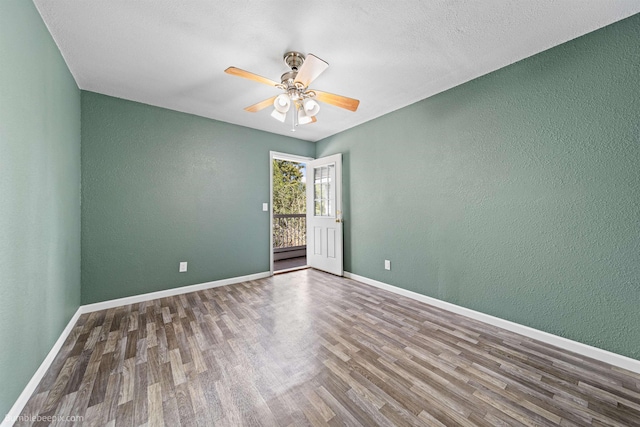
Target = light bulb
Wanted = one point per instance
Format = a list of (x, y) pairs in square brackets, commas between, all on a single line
[(310, 105)]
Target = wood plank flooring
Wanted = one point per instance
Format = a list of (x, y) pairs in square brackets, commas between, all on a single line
[(308, 348)]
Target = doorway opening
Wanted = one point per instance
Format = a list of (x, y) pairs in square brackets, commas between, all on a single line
[(288, 213)]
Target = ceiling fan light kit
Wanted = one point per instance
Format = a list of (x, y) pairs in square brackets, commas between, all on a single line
[(303, 118), (295, 84), (278, 115), (311, 107), (282, 103)]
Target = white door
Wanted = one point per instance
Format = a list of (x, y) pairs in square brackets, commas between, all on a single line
[(324, 214)]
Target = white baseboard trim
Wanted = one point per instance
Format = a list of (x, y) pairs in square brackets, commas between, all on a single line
[(18, 406), (170, 292), (555, 340)]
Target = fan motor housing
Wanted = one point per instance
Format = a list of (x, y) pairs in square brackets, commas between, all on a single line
[(294, 60)]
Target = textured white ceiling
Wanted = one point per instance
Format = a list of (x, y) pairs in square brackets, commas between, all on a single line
[(387, 54)]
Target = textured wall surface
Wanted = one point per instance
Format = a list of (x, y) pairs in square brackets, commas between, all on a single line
[(160, 187), (39, 196), (516, 194)]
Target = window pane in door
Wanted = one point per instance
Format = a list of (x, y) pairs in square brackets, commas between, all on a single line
[(324, 193), (331, 177)]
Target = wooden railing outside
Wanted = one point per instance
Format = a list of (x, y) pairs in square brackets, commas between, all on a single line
[(289, 230)]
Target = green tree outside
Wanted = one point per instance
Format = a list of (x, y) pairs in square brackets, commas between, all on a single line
[(289, 197), (288, 188)]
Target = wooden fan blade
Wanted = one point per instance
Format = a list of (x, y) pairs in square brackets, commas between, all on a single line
[(337, 100), (261, 105), (311, 68), (247, 75)]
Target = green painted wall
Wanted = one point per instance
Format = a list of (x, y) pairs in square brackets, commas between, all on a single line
[(160, 187), (516, 194), (39, 196)]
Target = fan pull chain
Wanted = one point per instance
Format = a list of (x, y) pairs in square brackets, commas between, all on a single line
[(294, 123)]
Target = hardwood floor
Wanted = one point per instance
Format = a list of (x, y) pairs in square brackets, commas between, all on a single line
[(308, 348)]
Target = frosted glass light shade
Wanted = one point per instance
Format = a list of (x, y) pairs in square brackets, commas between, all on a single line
[(303, 119), (311, 107), (278, 115), (282, 103)]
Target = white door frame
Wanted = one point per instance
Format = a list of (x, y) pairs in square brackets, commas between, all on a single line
[(279, 156)]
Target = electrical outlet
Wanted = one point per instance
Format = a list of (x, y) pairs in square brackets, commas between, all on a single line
[(387, 264), (183, 267), (265, 207)]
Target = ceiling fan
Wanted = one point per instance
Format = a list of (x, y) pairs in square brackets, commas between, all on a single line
[(295, 84)]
